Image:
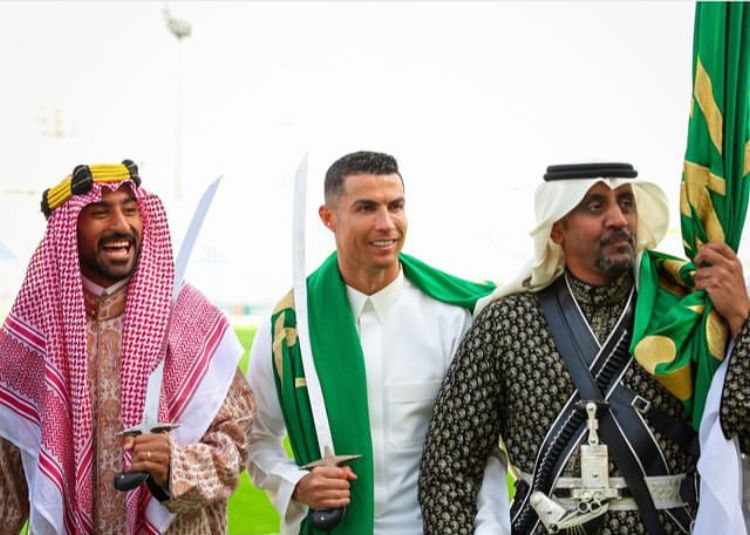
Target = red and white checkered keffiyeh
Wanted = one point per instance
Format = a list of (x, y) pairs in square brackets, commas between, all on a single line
[(43, 353)]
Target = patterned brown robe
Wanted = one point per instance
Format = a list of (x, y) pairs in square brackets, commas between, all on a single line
[(202, 475), (509, 380)]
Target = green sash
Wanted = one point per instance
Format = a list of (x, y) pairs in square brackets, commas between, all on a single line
[(341, 371), (678, 336)]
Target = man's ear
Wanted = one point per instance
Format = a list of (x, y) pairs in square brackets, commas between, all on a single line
[(326, 216), (556, 233)]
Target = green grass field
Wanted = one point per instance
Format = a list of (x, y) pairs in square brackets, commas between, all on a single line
[(250, 510)]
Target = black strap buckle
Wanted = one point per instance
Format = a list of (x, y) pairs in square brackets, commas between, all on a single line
[(641, 404), (600, 404)]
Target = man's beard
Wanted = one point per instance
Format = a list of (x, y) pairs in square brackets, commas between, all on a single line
[(616, 266), (115, 271)]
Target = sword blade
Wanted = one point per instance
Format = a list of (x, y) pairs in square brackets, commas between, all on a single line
[(191, 234), (153, 388), (314, 391)]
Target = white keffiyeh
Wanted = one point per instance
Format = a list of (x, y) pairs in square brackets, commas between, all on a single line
[(555, 199)]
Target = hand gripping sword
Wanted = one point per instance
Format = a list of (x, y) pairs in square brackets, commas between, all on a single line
[(323, 519), (125, 481)]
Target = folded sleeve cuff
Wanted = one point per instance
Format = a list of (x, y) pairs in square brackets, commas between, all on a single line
[(290, 510)]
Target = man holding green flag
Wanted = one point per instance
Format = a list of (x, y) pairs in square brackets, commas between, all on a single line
[(383, 329), (597, 444)]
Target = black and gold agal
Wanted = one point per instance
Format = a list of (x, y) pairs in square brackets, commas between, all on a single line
[(603, 408), (83, 177)]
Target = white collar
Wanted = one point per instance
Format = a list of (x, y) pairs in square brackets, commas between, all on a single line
[(93, 288), (380, 300)]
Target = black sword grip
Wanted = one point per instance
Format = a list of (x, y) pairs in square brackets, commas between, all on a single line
[(125, 481), (327, 519)]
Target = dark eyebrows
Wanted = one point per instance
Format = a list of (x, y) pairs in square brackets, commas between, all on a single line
[(97, 206), (364, 202), (593, 197)]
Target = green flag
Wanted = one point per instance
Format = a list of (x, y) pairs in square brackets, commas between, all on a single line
[(678, 336)]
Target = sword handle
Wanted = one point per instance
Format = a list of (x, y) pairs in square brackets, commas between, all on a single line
[(327, 519), (125, 481)]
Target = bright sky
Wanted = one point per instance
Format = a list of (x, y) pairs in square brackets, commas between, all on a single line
[(474, 100)]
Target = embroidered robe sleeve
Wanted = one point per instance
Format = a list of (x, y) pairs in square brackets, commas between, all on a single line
[(735, 402), (463, 433), (14, 504), (209, 470)]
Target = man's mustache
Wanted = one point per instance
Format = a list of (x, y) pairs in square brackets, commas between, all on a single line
[(117, 236), (618, 235)]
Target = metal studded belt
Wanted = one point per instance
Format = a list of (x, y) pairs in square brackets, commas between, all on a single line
[(665, 491)]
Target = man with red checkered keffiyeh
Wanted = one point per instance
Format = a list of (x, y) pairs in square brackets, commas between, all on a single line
[(85, 332)]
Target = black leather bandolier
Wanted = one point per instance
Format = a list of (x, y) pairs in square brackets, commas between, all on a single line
[(597, 372)]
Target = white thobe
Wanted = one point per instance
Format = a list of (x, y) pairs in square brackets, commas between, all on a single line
[(725, 475), (408, 340)]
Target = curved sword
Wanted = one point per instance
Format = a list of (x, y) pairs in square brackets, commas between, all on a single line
[(125, 481), (323, 519), (299, 275)]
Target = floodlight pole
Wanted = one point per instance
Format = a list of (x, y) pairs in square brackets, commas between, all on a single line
[(180, 29)]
